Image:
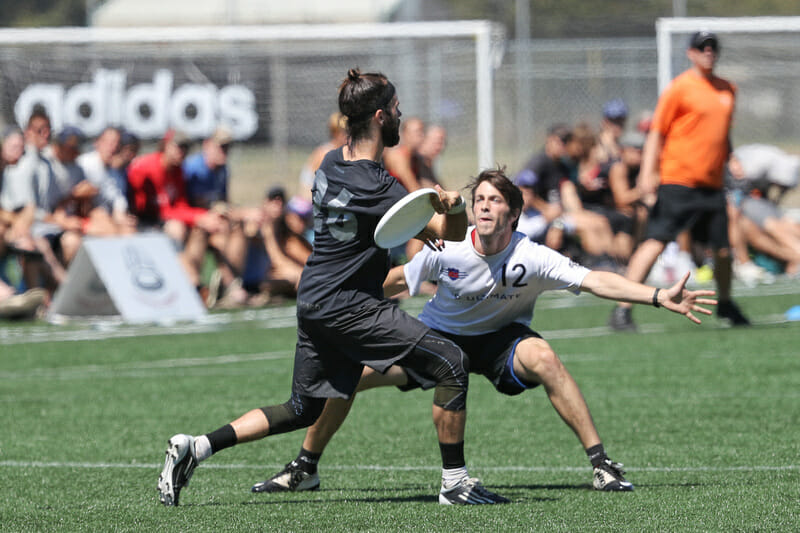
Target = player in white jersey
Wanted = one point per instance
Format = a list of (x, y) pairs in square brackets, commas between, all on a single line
[(478, 294), (487, 288)]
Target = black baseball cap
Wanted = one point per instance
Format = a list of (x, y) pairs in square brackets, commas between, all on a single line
[(703, 38), (276, 192)]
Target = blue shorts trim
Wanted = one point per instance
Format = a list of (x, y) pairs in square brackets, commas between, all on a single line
[(510, 365)]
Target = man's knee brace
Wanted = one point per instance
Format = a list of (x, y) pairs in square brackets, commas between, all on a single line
[(297, 413), (447, 365)]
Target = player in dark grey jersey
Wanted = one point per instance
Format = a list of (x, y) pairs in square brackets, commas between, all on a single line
[(344, 323)]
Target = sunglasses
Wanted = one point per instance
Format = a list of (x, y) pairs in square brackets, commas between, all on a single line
[(709, 43)]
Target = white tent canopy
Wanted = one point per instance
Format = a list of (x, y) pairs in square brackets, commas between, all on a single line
[(116, 13)]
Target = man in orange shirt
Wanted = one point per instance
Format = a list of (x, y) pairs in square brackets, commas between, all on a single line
[(682, 172)]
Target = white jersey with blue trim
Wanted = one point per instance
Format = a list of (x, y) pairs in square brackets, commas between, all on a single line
[(479, 294)]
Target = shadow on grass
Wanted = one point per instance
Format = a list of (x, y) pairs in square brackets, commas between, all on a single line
[(543, 486), (345, 499), (373, 496), (686, 485)]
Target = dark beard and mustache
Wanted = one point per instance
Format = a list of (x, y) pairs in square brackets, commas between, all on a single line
[(390, 131)]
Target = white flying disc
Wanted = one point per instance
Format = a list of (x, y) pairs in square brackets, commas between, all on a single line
[(405, 219)]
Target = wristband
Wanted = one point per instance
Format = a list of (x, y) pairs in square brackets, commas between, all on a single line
[(460, 207), (655, 298)]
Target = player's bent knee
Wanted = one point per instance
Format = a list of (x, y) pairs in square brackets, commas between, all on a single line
[(442, 361), (451, 387), (297, 413), (450, 396), (535, 357)]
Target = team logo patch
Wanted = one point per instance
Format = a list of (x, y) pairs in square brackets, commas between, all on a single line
[(454, 273)]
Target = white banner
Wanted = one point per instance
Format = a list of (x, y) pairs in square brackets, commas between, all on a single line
[(137, 277)]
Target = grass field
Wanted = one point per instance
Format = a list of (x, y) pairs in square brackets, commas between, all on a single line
[(706, 419)]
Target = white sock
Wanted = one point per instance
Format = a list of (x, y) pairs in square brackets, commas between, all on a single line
[(202, 448), (451, 476)]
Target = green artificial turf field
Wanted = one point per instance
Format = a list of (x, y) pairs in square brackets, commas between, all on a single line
[(705, 419)]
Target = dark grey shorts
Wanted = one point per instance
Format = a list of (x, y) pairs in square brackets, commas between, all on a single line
[(331, 352)]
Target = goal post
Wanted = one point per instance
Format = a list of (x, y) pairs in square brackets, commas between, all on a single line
[(759, 55), (274, 86)]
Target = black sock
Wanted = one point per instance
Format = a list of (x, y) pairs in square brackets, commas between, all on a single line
[(452, 455), (224, 437), (596, 455), (307, 461)]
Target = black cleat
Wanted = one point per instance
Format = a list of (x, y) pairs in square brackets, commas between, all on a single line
[(608, 476), (732, 312), (290, 479), (468, 491)]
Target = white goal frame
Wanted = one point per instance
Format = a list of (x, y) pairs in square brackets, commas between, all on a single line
[(488, 37), (666, 27)]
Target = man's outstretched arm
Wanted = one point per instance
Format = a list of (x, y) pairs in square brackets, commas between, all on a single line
[(677, 298)]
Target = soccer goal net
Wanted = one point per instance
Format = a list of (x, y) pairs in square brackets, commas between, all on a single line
[(273, 86), (760, 55)]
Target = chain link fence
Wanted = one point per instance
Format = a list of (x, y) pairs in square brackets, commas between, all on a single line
[(277, 94)]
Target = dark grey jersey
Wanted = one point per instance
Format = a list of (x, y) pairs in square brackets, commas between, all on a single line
[(346, 268)]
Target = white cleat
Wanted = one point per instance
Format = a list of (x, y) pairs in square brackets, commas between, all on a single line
[(179, 466)]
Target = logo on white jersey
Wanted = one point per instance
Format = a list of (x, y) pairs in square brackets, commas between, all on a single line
[(454, 273)]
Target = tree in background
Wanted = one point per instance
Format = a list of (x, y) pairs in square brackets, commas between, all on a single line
[(42, 13), (605, 18), (549, 18)]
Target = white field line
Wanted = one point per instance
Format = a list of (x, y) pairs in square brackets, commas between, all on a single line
[(139, 369), (111, 329), (399, 468), (285, 317), (14, 336), (135, 368)]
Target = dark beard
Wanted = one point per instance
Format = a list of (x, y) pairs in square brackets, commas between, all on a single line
[(390, 131)]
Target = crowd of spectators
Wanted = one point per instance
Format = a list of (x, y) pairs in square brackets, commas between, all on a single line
[(580, 193), (58, 189), (581, 197)]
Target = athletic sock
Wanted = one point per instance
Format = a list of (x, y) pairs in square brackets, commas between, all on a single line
[(452, 454), (307, 461), (224, 437), (202, 448), (453, 464), (597, 455), (451, 476)]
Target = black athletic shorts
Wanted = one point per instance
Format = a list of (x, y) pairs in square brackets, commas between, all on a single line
[(331, 352), (490, 355), (703, 211)]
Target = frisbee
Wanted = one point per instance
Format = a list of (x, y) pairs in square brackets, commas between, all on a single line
[(405, 219)]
